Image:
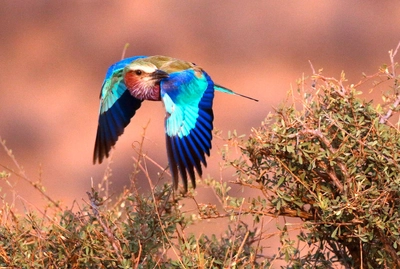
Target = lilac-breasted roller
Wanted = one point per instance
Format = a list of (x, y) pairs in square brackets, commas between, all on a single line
[(187, 92)]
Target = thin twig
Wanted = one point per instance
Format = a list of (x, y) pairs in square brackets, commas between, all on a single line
[(21, 174), (396, 102), (143, 168), (94, 203), (124, 51)]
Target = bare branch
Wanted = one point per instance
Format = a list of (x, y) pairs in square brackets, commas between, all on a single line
[(396, 102)]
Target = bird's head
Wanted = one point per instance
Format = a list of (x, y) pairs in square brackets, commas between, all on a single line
[(143, 78)]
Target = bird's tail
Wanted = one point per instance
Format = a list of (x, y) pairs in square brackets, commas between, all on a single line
[(226, 90)]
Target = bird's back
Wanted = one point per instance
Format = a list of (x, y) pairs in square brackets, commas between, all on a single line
[(169, 64)]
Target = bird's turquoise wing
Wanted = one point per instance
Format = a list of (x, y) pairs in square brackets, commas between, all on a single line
[(188, 97), (117, 107)]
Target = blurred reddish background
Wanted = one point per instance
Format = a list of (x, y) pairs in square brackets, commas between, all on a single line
[(54, 55)]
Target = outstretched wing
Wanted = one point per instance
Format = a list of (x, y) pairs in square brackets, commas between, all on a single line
[(117, 107), (188, 96)]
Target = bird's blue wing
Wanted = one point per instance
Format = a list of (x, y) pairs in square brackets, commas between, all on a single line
[(188, 96), (117, 107)]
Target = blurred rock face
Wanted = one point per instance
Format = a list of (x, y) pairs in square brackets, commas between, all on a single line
[(54, 55)]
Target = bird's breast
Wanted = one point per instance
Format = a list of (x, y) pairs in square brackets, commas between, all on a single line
[(146, 93), (142, 90)]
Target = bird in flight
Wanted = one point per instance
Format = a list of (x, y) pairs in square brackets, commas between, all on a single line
[(187, 92)]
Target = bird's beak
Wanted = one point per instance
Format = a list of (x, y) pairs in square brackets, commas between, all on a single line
[(159, 74)]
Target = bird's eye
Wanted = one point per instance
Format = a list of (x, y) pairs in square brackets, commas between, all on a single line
[(138, 72)]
